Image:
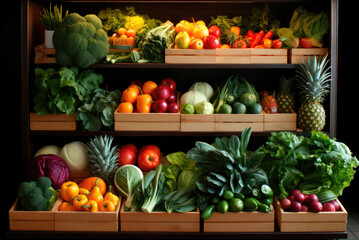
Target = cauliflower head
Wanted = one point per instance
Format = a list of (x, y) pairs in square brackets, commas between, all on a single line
[(80, 41)]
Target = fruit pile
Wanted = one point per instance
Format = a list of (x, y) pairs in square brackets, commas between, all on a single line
[(89, 195), (147, 158), (299, 202), (196, 35), (123, 37), (145, 97)]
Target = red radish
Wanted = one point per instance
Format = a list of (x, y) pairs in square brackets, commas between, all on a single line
[(294, 192), (296, 206), (315, 206), (305, 208), (336, 205), (291, 198), (311, 198), (328, 207), (285, 203), (299, 197)]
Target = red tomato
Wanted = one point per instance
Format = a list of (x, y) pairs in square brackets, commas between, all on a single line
[(150, 147), (148, 160), (126, 156), (131, 147)]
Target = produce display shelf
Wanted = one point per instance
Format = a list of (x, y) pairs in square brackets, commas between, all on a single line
[(176, 235)]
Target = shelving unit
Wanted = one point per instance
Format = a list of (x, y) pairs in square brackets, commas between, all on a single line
[(31, 34)]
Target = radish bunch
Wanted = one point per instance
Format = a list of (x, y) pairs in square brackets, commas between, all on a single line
[(299, 202)]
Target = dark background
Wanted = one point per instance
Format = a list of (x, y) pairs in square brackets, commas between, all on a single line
[(347, 128)]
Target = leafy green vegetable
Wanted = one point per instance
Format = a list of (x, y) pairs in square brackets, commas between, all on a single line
[(123, 57), (180, 159), (309, 164), (225, 23), (156, 41), (62, 90), (309, 25), (261, 19), (80, 41), (226, 166), (289, 39), (99, 110), (182, 200)]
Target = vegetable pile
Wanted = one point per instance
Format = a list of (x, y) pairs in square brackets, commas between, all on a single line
[(311, 165), (37, 195)]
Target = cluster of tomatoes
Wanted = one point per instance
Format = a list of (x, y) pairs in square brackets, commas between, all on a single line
[(145, 97), (147, 158), (196, 35), (123, 37)]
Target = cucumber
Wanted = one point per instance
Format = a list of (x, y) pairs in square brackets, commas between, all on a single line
[(207, 212)]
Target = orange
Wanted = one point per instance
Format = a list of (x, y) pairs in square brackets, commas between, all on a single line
[(224, 46), (130, 40), (125, 107), (149, 87), (131, 33), (121, 31), (235, 30), (135, 87)]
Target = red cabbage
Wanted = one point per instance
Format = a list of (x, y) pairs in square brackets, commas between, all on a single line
[(51, 166)]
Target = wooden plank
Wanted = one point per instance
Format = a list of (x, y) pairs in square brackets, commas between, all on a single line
[(238, 127), (53, 126), (147, 117), (87, 226), (280, 117), (269, 59), (62, 117), (279, 126), (160, 226), (239, 227), (307, 51), (148, 126), (239, 118), (313, 226), (201, 118)]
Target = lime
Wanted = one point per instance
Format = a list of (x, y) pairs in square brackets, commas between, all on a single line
[(239, 195), (251, 204), (236, 205), (267, 201), (266, 191), (225, 109), (239, 108), (187, 108), (215, 200), (222, 206), (228, 195), (255, 108), (248, 99)]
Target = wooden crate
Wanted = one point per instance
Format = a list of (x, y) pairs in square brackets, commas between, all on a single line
[(47, 55), (101, 221), (32, 220), (280, 122), (53, 122), (192, 56), (240, 222), (159, 221), (238, 122), (268, 56), (297, 55), (309, 221), (233, 55), (197, 122), (147, 122)]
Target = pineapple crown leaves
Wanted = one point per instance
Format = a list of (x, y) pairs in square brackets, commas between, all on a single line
[(313, 78), (102, 157), (286, 84)]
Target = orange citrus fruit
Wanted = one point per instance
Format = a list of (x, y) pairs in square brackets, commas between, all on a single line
[(125, 107)]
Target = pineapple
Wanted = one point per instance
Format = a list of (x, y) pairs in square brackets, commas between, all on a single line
[(285, 98), (102, 158), (313, 82)]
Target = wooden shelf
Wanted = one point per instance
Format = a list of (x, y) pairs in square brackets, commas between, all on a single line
[(179, 235)]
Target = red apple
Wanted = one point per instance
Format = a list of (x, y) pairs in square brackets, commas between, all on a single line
[(173, 107), (160, 106), (211, 42), (161, 92), (131, 147), (214, 31), (170, 83)]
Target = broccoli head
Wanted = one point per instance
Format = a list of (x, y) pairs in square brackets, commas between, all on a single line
[(80, 41)]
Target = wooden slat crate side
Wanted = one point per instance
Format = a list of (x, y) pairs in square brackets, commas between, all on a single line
[(279, 126), (87, 226), (280, 117), (148, 126), (160, 226), (200, 118), (53, 126), (307, 51), (233, 59), (233, 52), (239, 227), (44, 55), (239, 118), (313, 226), (147, 117), (19, 225), (269, 59), (268, 52), (62, 117), (197, 126)]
